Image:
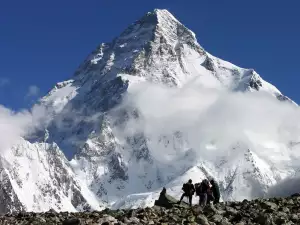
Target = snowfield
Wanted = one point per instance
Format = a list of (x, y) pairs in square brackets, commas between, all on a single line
[(151, 110)]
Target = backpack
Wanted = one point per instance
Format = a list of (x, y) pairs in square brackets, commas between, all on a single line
[(201, 187), (198, 188), (185, 187)]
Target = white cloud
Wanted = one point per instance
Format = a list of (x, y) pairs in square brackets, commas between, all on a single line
[(203, 116), (14, 125), (33, 91), (209, 116)]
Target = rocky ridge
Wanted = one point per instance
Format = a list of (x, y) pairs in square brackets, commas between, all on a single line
[(271, 211)]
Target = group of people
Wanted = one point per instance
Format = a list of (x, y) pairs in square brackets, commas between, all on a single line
[(206, 190)]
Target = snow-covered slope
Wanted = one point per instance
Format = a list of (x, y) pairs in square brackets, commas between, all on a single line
[(37, 177), (108, 168)]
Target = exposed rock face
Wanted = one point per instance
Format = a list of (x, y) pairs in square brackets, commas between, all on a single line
[(104, 168), (260, 211), (9, 200), (37, 177)]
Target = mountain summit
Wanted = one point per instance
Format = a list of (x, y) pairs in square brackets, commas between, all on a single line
[(112, 159)]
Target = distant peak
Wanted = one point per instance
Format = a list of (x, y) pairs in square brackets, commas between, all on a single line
[(164, 19), (160, 10), (162, 14), (161, 22), (163, 11)]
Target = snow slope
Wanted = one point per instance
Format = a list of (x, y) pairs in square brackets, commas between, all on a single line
[(110, 164), (40, 178)]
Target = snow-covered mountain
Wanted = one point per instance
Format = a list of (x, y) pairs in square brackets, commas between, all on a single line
[(110, 166)]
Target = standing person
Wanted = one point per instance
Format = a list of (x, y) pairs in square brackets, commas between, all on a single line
[(202, 191), (210, 195), (215, 190), (188, 189)]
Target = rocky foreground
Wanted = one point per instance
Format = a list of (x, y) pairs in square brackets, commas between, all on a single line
[(260, 211)]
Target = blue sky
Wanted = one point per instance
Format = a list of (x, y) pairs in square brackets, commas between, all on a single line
[(43, 42)]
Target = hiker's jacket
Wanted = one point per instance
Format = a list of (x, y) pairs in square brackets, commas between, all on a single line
[(202, 188), (215, 189), (188, 188)]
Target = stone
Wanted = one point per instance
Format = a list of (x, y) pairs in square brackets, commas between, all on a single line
[(269, 205), (231, 211), (202, 220), (238, 207), (294, 217), (281, 214), (131, 213), (224, 221), (290, 202), (217, 218), (285, 210), (71, 221), (237, 218), (134, 220), (295, 195), (265, 219), (281, 220), (210, 209), (108, 218), (191, 218)]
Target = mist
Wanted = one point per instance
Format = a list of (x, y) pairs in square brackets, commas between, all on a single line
[(213, 117), (202, 116), (16, 124), (285, 188)]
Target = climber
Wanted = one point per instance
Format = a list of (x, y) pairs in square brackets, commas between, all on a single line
[(215, 190), (210, 195), (189, 190), (202, 190), (163, 199)]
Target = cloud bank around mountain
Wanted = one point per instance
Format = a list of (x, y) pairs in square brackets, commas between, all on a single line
[(285, 188), (14, 125), (212, 121), (216, 118)]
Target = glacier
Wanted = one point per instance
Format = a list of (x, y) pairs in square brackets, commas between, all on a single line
[(136, 117)]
